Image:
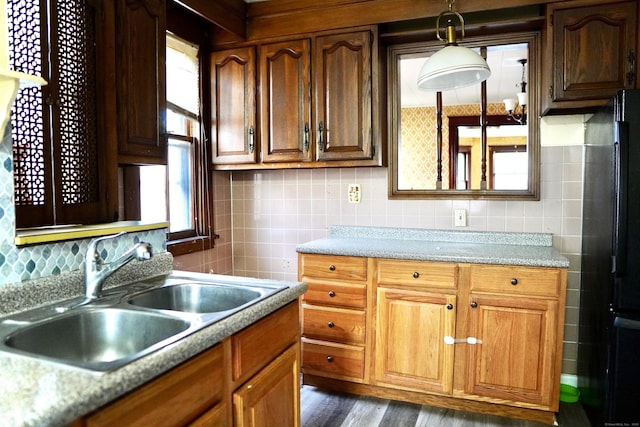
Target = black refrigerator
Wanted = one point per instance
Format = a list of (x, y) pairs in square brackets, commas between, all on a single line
[(609, 325)]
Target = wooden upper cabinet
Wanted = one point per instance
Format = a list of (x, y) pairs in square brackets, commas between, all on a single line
[(317, 98), (285, 101), (591, 51), (343, 96), (233, 106), (140, 81)]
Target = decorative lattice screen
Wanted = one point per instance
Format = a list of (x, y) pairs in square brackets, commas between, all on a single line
[(27, 125), (77, 93), (71, 138)]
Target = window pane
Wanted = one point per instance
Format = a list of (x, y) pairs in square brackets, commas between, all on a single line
[(180, 178), (182, 75), (510, 170), (153, 197)]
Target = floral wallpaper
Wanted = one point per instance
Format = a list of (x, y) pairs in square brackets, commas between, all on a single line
[(417, 152)]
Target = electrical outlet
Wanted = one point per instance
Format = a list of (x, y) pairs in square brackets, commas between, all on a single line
[(460, 217), (354, 193)]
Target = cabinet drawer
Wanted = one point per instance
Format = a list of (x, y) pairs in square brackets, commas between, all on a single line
[(333, 324), (333, 267), (417, 273), (332, 360), (258, 344), (516, 280), (334, 293)]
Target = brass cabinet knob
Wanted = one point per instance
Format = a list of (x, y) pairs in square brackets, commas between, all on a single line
[(331, 324), (332, 294), (330, 359), (332, 267), (416, 274), (514, 281), (473, 304), (449, 306)]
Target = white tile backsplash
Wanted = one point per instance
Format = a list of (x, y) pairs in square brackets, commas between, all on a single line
[(273, 211)]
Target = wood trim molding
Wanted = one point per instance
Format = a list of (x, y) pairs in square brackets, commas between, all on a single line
[(229, 15), (286, 17)]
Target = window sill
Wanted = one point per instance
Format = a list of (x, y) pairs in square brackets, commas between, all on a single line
[(189, 245), (30, 236)]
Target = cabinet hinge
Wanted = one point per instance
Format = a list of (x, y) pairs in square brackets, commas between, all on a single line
[(631, 71)]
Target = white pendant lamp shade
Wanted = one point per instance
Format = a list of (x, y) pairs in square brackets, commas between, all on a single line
[(453, 67), (510, 104)]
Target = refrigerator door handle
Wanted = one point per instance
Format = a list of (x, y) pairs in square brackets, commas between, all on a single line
[(621, 164), (626, 323)]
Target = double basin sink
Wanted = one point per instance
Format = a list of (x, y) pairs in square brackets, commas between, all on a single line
[(128, 322)]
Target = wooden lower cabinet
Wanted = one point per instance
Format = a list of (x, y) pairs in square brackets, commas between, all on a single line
[(515, 360), (410, 349), (217, 416), (475, 337), (272, 396), (174, 399), (249, 379), (336, 340)]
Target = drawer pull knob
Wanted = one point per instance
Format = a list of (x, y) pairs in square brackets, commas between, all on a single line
[(416, 274), (332, 267), (449, 306), (332, 294), (473, 304), (329, 359), (514, 281), (331, 324)]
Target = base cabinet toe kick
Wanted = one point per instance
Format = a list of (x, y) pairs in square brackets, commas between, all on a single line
[(475, 337)]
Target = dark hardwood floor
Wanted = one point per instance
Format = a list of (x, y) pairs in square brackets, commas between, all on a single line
[(320, 408)]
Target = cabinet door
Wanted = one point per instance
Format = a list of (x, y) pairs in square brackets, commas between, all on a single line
[(285, 101), (343, 99), (233, 106), (140, 80), (271, 397), (593, 49), (410, 348), (516, 359)]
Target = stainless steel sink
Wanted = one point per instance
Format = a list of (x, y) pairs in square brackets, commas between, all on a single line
[(197, 297), (129, 322), (98, 338)]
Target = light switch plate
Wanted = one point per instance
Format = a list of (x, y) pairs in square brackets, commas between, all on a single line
[(354, 193), (460, 217)]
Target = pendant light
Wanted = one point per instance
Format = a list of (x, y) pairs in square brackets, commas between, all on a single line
[(454, 66), (511, 104)]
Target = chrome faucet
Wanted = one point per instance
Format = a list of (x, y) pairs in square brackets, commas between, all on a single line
[(96, 272)]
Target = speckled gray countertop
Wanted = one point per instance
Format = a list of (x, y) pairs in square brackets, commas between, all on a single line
[(41, 393), (527, 249)]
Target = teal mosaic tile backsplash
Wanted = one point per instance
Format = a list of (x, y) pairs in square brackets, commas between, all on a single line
[(31, 262)]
